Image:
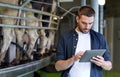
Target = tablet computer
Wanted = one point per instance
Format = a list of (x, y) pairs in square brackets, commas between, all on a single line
[(88, 54)]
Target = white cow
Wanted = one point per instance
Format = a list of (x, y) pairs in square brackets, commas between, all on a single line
[(30, 37), (8, 33), (33, 33), (48, 41)]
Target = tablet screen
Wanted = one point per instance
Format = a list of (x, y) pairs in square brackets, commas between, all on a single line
[(91, 53)]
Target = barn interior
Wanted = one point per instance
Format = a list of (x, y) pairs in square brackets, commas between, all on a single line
[(35, 26)]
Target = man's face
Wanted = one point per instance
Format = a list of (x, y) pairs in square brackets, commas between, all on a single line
[(84, 23)]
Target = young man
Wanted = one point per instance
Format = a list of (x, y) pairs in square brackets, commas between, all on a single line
[(72, 45)]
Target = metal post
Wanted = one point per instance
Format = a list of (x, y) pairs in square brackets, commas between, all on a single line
[(74, 24), (94, 5), (101, 18), (83, 2)]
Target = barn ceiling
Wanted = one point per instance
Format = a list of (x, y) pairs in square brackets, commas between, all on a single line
[(111, 9)]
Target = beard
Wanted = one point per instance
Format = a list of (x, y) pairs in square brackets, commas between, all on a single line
[(85, 31)]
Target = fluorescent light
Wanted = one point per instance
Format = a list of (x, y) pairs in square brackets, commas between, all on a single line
[(101, 2), (66, 0)]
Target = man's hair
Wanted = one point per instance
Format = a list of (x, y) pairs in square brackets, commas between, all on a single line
[(86, 10)]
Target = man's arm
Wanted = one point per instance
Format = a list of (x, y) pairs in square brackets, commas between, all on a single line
[(107, 65), (65, 64)]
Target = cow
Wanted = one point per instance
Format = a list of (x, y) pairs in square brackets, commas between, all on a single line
[(49, 42), (46, 35), (30, 37), (33, 33), (8, 33)]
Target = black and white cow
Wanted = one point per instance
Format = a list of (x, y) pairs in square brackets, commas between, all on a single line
[(46, 35)]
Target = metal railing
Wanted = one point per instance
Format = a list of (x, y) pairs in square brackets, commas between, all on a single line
[(25, 69), (22, 8)]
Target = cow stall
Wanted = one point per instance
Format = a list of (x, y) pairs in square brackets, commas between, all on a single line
[(26, 36)]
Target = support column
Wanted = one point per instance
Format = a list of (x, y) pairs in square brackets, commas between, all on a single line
[(95, 6), (101, 18), (83, 2)]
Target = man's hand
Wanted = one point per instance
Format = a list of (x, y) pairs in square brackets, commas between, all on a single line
[(99, 61), (78, 55)]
